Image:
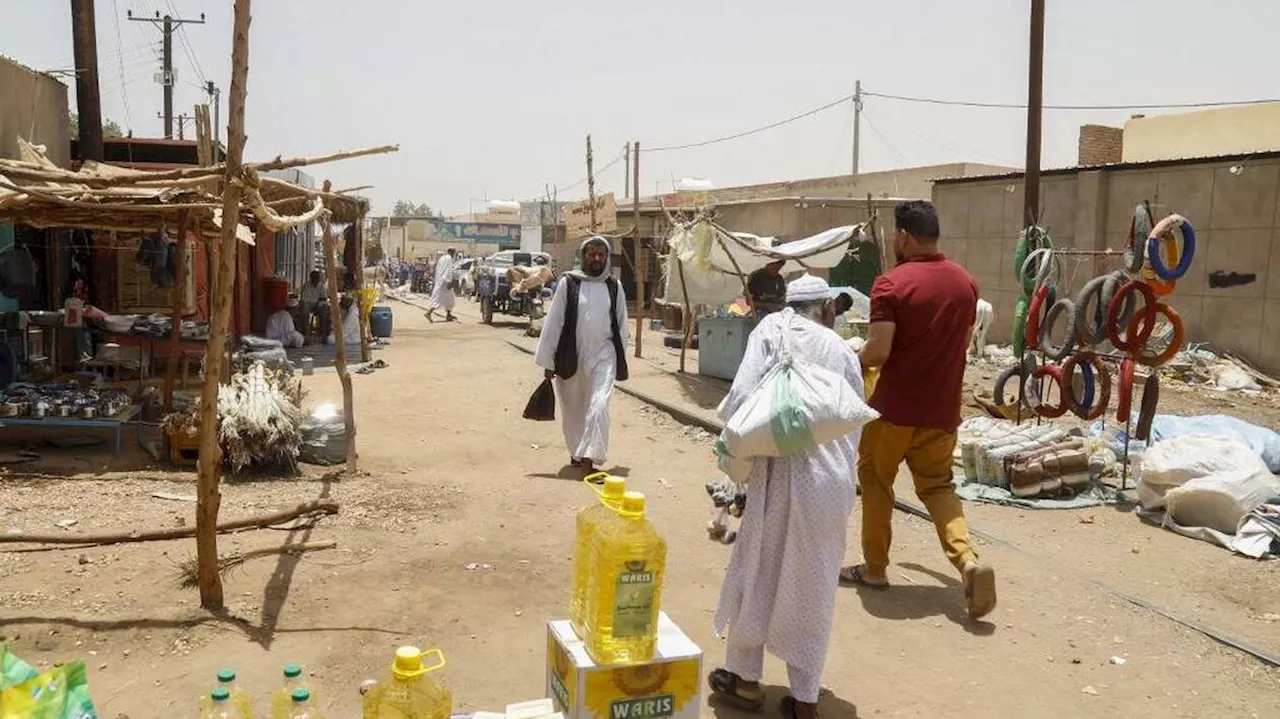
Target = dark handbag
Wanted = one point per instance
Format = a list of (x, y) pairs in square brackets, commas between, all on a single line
[(542, 403)]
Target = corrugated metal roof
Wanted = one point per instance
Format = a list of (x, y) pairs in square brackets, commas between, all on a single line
[(1146, 164)]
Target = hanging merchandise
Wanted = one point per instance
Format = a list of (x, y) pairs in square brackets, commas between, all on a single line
[(1097, 395), (1089, 312), (1063, 307), (1124, 388), (1147, 408), (1020, 308), (1183, 236), (1032, 239), (1035, 313), (1139, 230), (1147, 319), (1036, 396), (1175, 342)]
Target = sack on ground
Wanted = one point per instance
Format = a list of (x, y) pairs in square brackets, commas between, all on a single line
[(323, 441), (797, 406), (542, 403), (1204, 481)]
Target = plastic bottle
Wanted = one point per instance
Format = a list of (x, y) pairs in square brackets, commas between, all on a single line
[(408, 693), (282, 698), (590, 517), (627, 564), (301, 705), (239, 700), (217, 705)]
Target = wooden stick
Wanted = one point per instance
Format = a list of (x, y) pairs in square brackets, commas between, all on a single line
[(179, 304), (640, 268), (257, 522), (108, 206), (358, 237), (208, 497), (340, 343), (687, 313)]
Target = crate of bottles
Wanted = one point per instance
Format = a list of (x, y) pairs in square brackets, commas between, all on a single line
[(667, 687)]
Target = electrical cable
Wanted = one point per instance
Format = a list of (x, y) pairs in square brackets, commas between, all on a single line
[(1015, 106), (746, 133)]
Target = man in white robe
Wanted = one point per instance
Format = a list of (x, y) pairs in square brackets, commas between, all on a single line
[(280, 325), (350, 324), (442, 295), (581, 347), (780, 587)]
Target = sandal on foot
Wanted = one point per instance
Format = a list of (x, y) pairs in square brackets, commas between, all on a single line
[(853, 576), (980, 591), (728, 686), (788, 707)]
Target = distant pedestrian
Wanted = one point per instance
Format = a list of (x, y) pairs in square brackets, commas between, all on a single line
[(443, 295), (582, 348), (922, 315)]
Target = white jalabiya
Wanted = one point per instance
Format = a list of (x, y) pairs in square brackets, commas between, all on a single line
[(280, 328), (584, 398), (442, 295), (779, 590), (350, 328)]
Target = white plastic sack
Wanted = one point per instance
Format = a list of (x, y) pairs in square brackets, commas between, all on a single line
[(1204, 481), (797, 406)]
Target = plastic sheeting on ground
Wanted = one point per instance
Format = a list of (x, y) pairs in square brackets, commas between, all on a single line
[(1264, 442), (709, 254)]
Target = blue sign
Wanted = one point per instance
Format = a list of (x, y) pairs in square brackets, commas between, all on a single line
[(491, 232)]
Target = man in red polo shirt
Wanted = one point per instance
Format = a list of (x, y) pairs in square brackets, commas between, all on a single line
[(922, 315)]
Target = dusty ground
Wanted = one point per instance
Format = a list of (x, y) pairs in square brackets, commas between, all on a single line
[(457, 535)]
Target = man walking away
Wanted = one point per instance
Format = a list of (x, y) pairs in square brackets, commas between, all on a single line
[(582, 347), (779, 591), (442, 295), (767, 288), (922, 313)]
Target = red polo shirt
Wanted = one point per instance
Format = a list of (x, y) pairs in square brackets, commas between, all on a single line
[(931, 301)]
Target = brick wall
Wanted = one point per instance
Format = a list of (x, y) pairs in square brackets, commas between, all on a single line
[(1100, 145)]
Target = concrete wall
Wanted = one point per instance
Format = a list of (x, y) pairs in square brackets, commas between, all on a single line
[(1237, 231), (1100, 145), (33, 106), (1207, 133), (910, 182)]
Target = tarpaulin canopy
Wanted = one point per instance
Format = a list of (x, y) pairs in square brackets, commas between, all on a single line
[(713, 257)]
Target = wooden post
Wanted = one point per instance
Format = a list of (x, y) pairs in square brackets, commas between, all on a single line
[(357, 236), (339, 342), (641, 269), (591, 187), (686, 313), (207, 496), (179, 305), (872, 219)]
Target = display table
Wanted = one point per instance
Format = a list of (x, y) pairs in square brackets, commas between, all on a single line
[(722, 341), (114, 423)]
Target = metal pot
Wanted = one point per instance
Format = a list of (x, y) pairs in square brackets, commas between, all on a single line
[(64, 410), (88, 412)]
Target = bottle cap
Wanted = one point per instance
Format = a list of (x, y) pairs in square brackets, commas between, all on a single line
[(633, 504), (220, 694), (300, 695), (292, 671), (614, 487), (226, 675), (408, 662)]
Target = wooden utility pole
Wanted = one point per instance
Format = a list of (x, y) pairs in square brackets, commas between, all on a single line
[(626, 172), (635, 235), (857, 125), (88, 102), (166, 25), (339, 341), (591, 187), (1035, 101), (208, 497)]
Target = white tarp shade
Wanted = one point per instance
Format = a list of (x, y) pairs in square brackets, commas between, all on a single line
[(710, 274)]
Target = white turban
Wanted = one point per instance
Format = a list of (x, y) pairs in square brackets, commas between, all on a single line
[(808, 288)]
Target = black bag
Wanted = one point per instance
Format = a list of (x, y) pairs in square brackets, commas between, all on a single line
[(542, 403)]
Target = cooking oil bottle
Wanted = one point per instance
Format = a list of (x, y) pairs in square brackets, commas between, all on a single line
[(591, 516), (302, 706), (237, 698), (627, 563), (217, 705), (408, 693), (282, 698)]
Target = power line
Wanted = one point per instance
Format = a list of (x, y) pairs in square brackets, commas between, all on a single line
[(892, 148), (746, 133), (187, 48), (1016, 106)]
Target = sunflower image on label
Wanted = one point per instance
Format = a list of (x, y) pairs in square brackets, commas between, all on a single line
[(633, 601)]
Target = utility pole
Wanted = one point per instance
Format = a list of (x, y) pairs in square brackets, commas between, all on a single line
[(216, 96), (1035, 101), (591, 187), (88, 102), (857, 125), (635, 234), (626, 172), (166, 24), (182, 120)]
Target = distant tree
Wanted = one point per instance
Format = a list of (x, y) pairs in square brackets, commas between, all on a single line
[(406, 208), (110, 128)]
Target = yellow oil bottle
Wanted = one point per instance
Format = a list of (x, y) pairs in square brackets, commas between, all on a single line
[(627, 564), (590, 517), (282, 698), (409, 693), (237, 699)]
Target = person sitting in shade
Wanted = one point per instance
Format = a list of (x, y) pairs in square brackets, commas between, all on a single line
[(280, 325), (350, 315)]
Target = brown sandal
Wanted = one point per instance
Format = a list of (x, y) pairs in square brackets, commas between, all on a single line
[(728, 686), (788, 708)]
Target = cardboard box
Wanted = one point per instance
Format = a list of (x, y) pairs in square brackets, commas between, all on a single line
[(669, 687)]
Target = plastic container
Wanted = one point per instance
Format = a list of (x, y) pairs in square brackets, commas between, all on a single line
[(302, 706), (409, 692), (381, 321), (282, 698), (627, 564), (239, 700), (590, 517)]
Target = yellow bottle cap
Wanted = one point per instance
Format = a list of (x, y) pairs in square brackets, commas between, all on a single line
[(614, 488), (408, 662), (633, 505)]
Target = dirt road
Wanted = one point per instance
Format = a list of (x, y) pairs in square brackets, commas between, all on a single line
[(458, 533)]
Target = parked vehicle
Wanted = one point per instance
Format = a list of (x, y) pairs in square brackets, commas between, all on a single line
[(494, 290), (465, 277)]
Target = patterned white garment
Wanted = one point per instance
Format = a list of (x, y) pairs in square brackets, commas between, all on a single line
[(584, 398), (779, 590), (442, 294)]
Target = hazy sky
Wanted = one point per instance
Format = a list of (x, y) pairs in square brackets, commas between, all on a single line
[(494, 99)]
